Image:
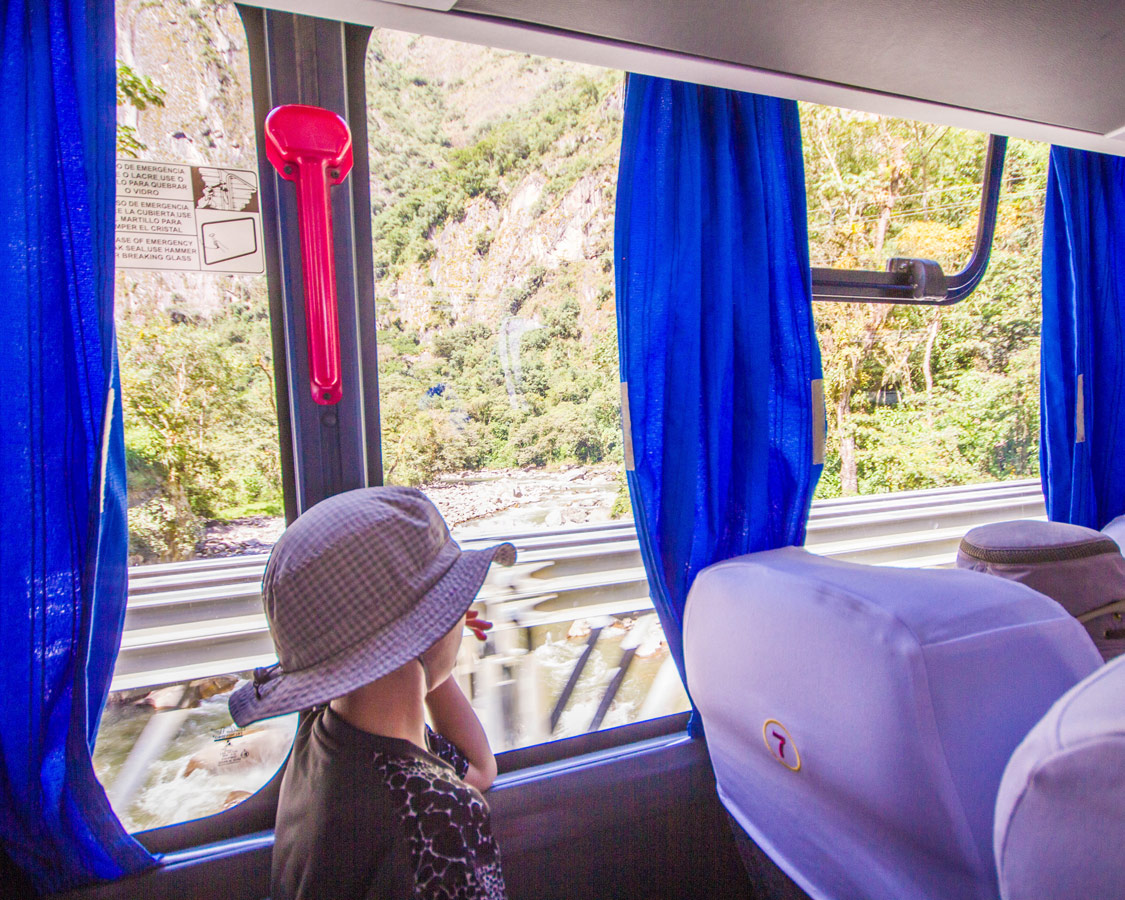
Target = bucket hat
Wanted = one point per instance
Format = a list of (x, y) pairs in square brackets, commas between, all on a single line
[(358, 586)]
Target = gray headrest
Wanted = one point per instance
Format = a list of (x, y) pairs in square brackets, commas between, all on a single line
[(1079, 568), (1032, 541)]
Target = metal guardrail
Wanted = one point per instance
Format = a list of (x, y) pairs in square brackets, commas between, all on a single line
[(204, 617)]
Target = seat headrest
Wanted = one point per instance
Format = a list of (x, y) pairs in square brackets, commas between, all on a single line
[(1060, 811), (1034, 541), (859, 717), (1078, 567)]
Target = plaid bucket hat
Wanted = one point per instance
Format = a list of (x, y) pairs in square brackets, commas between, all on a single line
[(359, 585)]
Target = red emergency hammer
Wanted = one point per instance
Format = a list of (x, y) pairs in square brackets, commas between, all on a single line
[(313, 147)]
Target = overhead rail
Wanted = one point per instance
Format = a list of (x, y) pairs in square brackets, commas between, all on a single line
[(204, 617), (921, 282)]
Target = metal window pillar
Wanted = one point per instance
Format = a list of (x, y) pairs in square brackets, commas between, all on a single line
[(324, 449)]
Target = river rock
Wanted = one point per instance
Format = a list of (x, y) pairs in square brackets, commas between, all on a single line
[(175, 696), (218, 684), (234, 798)]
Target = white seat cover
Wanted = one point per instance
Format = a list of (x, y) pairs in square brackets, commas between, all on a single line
[(1060, 812), (901, 692)]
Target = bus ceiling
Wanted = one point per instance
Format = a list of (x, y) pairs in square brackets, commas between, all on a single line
[(1048, 71)]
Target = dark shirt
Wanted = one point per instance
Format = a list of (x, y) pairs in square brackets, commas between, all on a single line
[(367, 817)]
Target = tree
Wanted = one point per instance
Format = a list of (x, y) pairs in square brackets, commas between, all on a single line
[(198, 399), (879, 188)]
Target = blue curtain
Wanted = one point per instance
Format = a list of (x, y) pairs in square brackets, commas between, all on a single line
[(62, 532), (718, 350), (1083, 340)]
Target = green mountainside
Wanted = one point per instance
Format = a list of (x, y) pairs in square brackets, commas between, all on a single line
[(195, 351), (493, 251)]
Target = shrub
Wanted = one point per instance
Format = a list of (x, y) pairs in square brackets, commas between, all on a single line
[(564, 433), (482, 242), (562, 321), (161, 532), (622, 501), (516, 297)]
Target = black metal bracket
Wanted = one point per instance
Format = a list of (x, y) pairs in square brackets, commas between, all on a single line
[(324, 449), (921, 282)]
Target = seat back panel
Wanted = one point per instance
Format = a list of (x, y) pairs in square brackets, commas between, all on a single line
[(859, 718)]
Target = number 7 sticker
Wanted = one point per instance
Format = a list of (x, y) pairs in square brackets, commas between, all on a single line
[(780, 745)]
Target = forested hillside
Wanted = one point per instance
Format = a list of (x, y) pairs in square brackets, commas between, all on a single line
[(493, 257), (495, 261), (493, 182), (196, 361), (924, 396)]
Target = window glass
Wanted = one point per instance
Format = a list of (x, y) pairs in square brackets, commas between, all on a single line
[(493, 178), (880, 187), (924, 397), (200, 424)]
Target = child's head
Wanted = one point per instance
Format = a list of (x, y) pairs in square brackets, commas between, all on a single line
[(359, 585)]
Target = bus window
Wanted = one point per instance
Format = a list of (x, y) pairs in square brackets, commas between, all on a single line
[(924, 397), (493, 178), (200, 426)]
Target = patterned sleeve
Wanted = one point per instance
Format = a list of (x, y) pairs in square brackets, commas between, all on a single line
[(445, 749)]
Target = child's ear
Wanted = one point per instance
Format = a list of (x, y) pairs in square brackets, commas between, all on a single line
[(438, 661)]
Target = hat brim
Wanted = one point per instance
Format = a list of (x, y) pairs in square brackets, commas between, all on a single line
[(370, 659)]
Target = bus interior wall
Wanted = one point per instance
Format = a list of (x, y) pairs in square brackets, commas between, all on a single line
[(644, 824)]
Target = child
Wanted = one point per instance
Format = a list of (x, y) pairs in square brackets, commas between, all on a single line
[(366, 596)]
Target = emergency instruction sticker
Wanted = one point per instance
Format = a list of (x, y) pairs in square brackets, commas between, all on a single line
[(172, 217)]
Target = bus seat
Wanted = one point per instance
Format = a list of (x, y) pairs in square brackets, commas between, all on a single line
[(1060, 812), (859, 717), (1080, 568)]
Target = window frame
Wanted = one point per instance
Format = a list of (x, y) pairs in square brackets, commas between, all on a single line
[(325, 450), (921, 282)]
